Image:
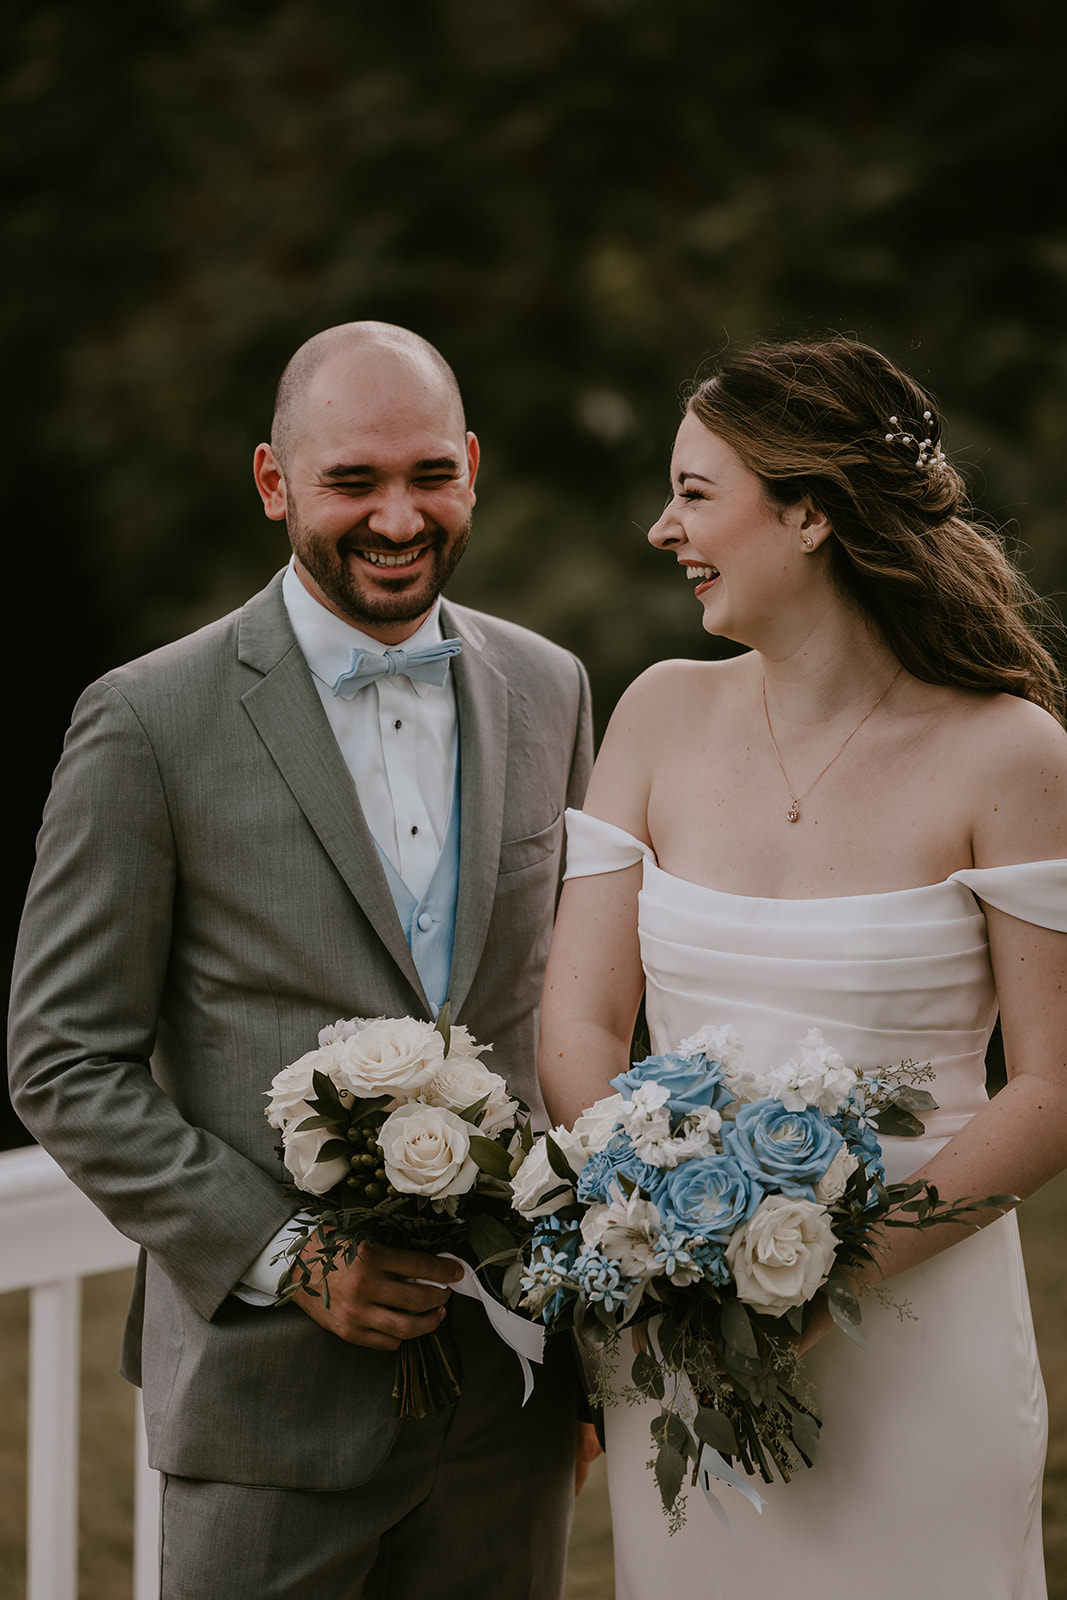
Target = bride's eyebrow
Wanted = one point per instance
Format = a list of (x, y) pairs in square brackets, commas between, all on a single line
[(697, 477)]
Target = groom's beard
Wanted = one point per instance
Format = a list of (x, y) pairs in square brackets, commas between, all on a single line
[(371, 597)]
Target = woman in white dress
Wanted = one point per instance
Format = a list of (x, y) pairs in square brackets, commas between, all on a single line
[(859, 825)]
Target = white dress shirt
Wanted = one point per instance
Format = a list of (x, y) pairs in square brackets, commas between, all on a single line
[(399, 740)]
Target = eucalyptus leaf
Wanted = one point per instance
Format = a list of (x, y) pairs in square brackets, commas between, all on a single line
[(806, 1436), (670, 1474), (895, 1122), (715, 1429), (737, 1328), (647, 1375)]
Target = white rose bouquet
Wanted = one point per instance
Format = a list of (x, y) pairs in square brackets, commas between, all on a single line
[(711, 1203), (394, 1131)]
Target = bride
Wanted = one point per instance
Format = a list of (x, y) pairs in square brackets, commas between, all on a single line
[(859, 825)]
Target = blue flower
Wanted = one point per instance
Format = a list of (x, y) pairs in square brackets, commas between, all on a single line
[(707, 1198), (692, 1084), (785, 1151), (862, 1140), (603, 1166)]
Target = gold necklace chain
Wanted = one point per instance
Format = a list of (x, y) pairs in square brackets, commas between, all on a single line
[(793, 814)]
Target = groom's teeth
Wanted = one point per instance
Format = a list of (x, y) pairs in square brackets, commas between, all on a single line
[(380, 560)]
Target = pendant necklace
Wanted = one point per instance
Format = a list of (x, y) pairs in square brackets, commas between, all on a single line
[(793, 814)]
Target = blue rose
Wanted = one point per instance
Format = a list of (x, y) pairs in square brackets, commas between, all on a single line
[(604, 1166), (710, 1196), (693, 1085), (863, 1142), (785, 1151)]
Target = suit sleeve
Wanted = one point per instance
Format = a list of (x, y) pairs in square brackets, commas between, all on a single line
[(88, 986), (582, 757)]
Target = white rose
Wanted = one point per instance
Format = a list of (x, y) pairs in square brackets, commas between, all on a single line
[(596, 1128), (394, 1057), (625, 1231), (427, 1151), (301, 1149), (535, 1179), (346, 1028), (782, 1254), (461, 1081), (831, 1186), (461, 1043), (294, 1085)]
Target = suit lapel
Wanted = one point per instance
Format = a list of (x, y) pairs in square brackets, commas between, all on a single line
[(482, 709), (286, 711)]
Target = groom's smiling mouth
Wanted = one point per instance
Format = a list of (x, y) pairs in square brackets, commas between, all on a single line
[(378, 558)]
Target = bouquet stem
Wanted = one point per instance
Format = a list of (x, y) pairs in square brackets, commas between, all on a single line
[(424, 1383)]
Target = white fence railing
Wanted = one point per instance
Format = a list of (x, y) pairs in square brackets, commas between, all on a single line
[(51, 1238)]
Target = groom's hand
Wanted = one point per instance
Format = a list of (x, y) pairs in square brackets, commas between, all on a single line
[(373, 1301)]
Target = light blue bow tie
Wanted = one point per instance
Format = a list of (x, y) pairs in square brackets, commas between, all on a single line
[(427, 663)]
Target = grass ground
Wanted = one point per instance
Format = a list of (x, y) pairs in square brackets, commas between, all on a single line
[(106, 1466)]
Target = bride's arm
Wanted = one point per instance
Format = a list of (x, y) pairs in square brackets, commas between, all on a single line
[(593, 987), (1019, 1141), (594, 981)]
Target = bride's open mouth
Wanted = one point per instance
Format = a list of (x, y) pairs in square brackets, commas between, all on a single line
[(703, 576)]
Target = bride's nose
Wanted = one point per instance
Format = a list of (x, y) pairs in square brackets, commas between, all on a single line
[(665, 532)]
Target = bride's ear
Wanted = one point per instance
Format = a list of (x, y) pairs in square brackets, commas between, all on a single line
[(812, 526)]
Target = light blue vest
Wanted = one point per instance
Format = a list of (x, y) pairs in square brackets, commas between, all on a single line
[(429, 924)]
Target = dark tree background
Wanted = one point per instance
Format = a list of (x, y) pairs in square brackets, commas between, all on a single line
[(578, 201)]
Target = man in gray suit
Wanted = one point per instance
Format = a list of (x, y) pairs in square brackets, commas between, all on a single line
[(316, 808)]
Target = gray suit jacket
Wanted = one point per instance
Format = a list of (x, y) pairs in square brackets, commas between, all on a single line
[(207, 896)]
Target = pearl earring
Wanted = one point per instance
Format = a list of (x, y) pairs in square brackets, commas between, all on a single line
[(807, 542)]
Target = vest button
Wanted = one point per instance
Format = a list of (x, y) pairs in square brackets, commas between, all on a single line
[(425, 922)]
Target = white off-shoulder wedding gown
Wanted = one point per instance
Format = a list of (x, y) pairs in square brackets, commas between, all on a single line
[(928, 1485)]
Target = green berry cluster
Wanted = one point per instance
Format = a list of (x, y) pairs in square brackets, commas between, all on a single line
[(368, 1177)]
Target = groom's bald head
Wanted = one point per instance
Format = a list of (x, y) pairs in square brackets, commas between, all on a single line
[(354, 345)]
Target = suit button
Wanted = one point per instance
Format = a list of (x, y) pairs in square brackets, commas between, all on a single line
[(425, 922)]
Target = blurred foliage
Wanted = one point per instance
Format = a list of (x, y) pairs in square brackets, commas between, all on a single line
[(578, 201)]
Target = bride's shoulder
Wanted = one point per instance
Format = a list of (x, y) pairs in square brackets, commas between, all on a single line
[(669, 691), (1013, 756)]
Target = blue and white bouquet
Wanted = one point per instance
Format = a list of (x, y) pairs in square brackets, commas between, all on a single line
[(710, 1204)]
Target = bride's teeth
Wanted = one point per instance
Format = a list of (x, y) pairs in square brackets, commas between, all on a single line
[(703, 572)]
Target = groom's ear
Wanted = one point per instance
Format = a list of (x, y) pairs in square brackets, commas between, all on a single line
[(270, 481)]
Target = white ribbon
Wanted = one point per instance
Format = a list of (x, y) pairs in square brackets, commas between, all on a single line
[(527, 1339)]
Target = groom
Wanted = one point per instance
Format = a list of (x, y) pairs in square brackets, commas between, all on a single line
[(253, 832)]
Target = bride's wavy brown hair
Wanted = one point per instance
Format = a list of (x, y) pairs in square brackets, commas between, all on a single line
[(811, 419)]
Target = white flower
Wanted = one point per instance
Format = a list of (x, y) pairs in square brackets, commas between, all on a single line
[(395, 1057), (831, 1186), (694, 1138), (815, 1076), (782, 1254), (345, 1028), (535, 1179), (595, 1128), (427, 1151), (293, 1086), (461, 1043), (625, 1231), (460, 1082), (721, 1044), (300, 1152)]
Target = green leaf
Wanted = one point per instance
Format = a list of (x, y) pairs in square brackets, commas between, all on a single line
[(716, 1429), (488, 1236), (326, 1094), (845, 1310), (474, 1113), (309, 1124), (670, 1474), (558, 1161), (806, 1436), (897, 1123), (443, 1024), (512, 1282), (333, 1150), (490, 1156), (677, 1435), (914, 1099), (737, 1329), (647, 1375)]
